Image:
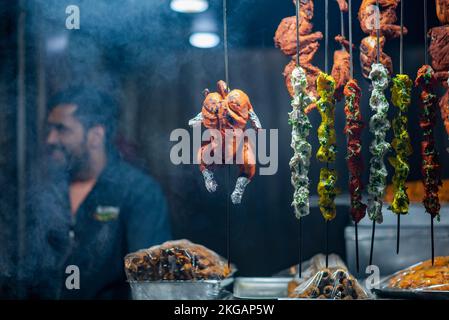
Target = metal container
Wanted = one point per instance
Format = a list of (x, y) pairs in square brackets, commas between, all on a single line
[(179, 290), (395, 293), (415, 244), (261, 288)]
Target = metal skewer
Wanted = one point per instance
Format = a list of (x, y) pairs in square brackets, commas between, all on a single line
[(426, 61), (351, 59), (377, 26), (228, 173), (326, 37), (372, 243), (298, 3), (401, 70)]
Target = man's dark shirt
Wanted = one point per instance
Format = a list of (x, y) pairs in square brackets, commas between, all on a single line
[(125, 211)]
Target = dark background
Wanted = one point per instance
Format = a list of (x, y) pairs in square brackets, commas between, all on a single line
[(139, 52)]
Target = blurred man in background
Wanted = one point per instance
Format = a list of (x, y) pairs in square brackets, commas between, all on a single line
[(89, 209)]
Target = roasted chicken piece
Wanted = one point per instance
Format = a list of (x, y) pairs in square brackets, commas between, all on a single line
[(285, 36), (312, 73), (442, 8), (341, 70), (306, 9), (368, 55), (387, 29), (444, 108), (285, 39), (439, 47), (444, 100), (388, 17), (343, 4)]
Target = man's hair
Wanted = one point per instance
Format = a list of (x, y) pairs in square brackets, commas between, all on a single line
[(93, 107)]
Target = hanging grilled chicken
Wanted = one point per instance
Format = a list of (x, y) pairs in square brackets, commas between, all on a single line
[(341, 69), (388, 30), (227, 111), (285, 39)]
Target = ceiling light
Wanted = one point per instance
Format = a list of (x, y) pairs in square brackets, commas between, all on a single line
[(204, 39), (189, 6)]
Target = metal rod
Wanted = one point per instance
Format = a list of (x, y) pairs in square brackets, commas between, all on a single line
[(326, 35), (401, 41), (21, 138), (300, 248), (298, 6), (225, 41), (372, 243), (377, 25), (432, 239), (426, 57), (398, 233), (228, 173), (342, 27), (297, 32), (228, 217), (327, 243), (357, 261), (350, 38)]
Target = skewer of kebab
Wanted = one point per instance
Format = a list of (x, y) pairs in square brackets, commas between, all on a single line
[(430, 168), (327, 190), (378, 126), (388, 30), (353, 130), (401, 99), (438, 49), (302, 150), (285, 39)]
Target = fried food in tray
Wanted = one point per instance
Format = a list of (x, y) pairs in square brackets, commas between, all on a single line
[(423, 276), (175, 260), (319, 282), (335, 284)]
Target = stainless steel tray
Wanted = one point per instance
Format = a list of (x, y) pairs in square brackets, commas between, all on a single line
[(394, 293), (179, 290), (261, 288), (411, 294)]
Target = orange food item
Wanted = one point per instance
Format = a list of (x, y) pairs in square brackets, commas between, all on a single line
[(285, 39), (225, 110), (424, 276)]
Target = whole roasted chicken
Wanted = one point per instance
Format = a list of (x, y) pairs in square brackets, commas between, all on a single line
[(228, 112)]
